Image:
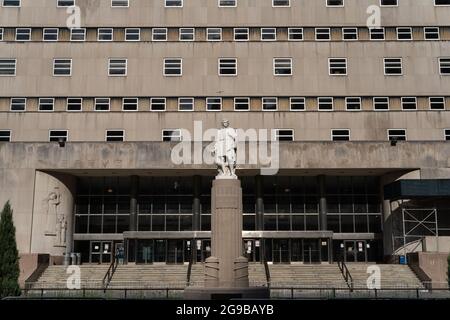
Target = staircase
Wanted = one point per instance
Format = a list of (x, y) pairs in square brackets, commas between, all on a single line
[(392, 275), (150, 276), (306, 276), (56, 277)]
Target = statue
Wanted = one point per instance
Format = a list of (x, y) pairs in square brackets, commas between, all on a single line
[(61, 228), (225, 151), (51, 207)]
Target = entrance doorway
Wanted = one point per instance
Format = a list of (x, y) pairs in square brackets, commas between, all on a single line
[(355, 251), (203, 249), (296, 250), (100, 252), (252, 250)]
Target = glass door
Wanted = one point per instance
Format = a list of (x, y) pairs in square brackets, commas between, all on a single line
[(145, 251), (175, 251), (106, 256), (101, 252), (296, 250), (160, 251), (252, 250), (361, 251), (95, 256), (280, 251), (350, 251), (311, 251)]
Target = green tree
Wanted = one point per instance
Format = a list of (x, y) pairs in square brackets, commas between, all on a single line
[(9, 256)]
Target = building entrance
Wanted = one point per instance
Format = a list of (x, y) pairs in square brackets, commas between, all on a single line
[(100, 252), (355, 251), (296, 250)]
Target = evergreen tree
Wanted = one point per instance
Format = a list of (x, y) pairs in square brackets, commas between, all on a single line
[(9, 256), (448, 270)]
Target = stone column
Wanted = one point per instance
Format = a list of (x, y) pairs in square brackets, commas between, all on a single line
[(259, 202), (322, 203), (226, 267), (134, 202), (197, 190)]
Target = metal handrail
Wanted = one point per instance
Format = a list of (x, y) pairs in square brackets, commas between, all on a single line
[(267, 270), (189, 271), (345, 273), (110, 273)]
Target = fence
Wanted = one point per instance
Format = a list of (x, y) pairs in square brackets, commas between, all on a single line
[(275, 293)]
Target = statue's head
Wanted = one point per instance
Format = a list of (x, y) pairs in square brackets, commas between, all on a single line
[(225, 123)]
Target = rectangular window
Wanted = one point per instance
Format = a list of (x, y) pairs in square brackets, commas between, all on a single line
[(105, 34), (227, 3), (393, 66), (187, 34), (242, 104), (18, 104), (173, 67), (323, 34), (295, 34), (268, 34), (78, 34), (444, 66), (214, 34), (117, 67), (74, 104), (404, 33), (102, 104), (115, 135), (132, 34), (58, 135), (350, 34), (1, 34), (227, 67), (65, 3), (337, 66), (158, 104), (437, 103), (23, 34), (283, 134), (409, 103), (62, 67), (159, 34), (335, 3), (297, 103), (442, 2), (396, 134), (340, 135), (446, 133), (120, 3), (185, 104), (8, 67), (389, 3), (130, 104), (376, 34), (50, 34), (281, 3), (325, 103), (282, 66), (240, 34), (353, 103), (5, 135), (269, 103), (46, 104), (174, 3), (171, 135), (11, 3), (431, 33), (213, 104), (380, 103)]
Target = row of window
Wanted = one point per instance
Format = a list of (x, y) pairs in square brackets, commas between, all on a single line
[(217, 34), (220, 3), (171, 135), (173, 67), (159, 104)]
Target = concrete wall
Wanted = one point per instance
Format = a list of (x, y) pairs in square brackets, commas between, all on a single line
[(200, 69), (207, 13)]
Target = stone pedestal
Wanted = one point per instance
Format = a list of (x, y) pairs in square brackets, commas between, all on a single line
[(226, 270)]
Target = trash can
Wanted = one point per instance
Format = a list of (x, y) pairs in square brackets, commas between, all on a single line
[(73, 258), (66, 259), (403, 260), (78, 255)]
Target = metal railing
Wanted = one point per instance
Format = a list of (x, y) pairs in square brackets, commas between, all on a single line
[(345, 273), (276, 292), (110, 273), (267, 271)]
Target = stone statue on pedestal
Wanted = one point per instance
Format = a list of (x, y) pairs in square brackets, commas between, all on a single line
[(225, 151)]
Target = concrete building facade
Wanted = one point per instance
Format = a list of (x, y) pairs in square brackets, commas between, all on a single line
[(90, 116)]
